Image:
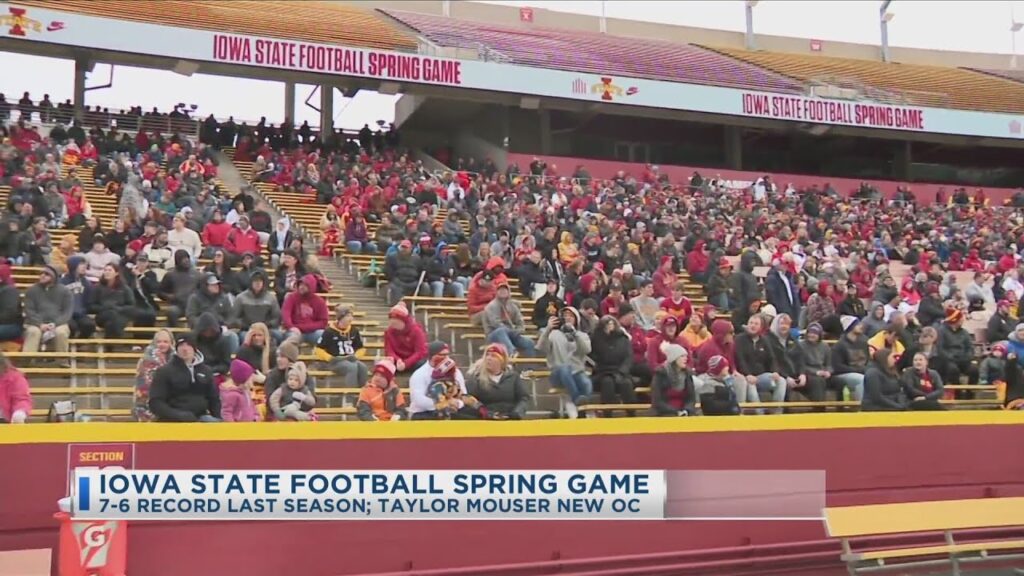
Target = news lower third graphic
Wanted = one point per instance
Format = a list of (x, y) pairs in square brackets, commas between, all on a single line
[(116, 494)]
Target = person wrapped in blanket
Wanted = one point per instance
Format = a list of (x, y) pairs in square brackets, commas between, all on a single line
[(448, 393), (294, 401), (381, 399)]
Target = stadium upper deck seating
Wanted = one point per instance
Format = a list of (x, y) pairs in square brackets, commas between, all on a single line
[(1017, 75), (597, 53), (333, 23), (915, 84)]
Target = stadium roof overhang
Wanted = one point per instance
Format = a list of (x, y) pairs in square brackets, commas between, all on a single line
[(120, 42)]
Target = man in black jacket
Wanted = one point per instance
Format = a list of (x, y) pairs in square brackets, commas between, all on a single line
[(183, 390), (754, 361), (1000, 325), (850, 358), (11, 319)]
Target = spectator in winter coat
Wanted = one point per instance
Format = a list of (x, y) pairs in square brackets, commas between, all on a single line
[(852, 305), (289, 274), (993, 369), (755, 362), (295, 400), (357, 237), (815, 363), (567, 348), (229, 280), (717, 388), (957, 346), (493, 382), (215, 233), (159, 254), (155, 356), (210, 298), (781, 290), (113, 303), (304, 314), (695, 333), (287, 355), (502, 320), (81, 324), (547, 305), (639, 369), (15, 397), (236, 403), (177, 287), (184, 390), (215, 343), (381, 399), (744, 288), (930, 312), (821, 309), (1000, 325), (698, 262), (402, 269), (11, 318), (883, 390), (279, 241), (850, 358), (404, 340), (242, 239), (664, 278), (875, 321), (484, 286), (668, 333), (672, 389), (257, 305), (612, 354), (922, 386), (720, 344), (341, 348), (421, 380), (717, 287)]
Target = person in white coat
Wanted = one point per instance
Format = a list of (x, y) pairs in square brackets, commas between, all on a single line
[(419, 381)]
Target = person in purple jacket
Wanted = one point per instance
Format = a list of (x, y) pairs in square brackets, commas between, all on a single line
[(357, 237)]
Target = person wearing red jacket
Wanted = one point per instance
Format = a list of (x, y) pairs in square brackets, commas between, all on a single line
[(242, 239), (973, 262), (668, 333), (15, 398), (698, 261), (664, 278), (404, 339), (720, 344), (215, 233), (484, 286), (304, 314)]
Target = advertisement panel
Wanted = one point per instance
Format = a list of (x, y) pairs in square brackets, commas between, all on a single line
[(65, 28)]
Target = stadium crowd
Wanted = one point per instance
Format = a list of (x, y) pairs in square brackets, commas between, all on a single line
[(808, 292)]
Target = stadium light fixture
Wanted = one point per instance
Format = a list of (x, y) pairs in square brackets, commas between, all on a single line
[(1016, 26), (749, 36), (884, 17)]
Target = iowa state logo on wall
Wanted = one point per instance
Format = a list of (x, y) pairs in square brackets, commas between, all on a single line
[(18, 23), (607, 88)]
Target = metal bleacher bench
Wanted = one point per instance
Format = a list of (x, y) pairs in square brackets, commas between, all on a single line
[(945, 516)]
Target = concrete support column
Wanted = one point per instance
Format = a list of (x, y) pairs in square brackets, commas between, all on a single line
[(545, 131), (289, 100), (326, 108), (734, 147), (81, 67), (902, 159)]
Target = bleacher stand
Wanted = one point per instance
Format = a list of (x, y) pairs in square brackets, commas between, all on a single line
[(758, 262)]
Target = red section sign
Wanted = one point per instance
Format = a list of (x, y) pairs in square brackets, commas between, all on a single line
[(816, 45), (336, 59), (833, 111), (526, 14), (99, 456)]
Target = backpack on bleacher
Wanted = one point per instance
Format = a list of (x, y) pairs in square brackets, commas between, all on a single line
[(62, 411)]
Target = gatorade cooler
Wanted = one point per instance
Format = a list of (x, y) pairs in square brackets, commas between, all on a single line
[(91, 547)]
